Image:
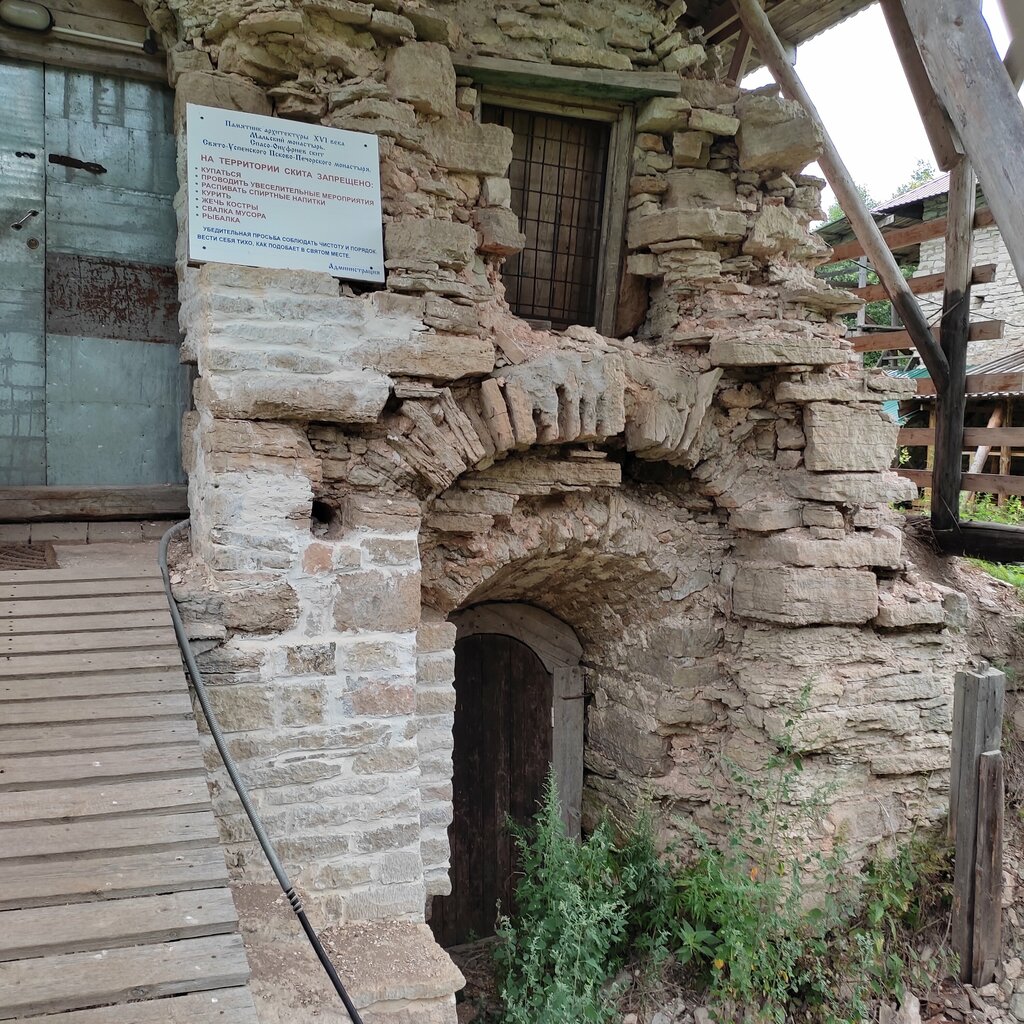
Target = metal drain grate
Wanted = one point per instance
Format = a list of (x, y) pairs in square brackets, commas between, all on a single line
[(27, 556)]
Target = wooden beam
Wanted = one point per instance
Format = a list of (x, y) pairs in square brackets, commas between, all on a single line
[(981, 384), (991, 436), (567, 81), (926, 283), (941, 134), (996, 542), (885, 341), (907, 238), (38, 504), (740, 56), (1013, 15), (951, 400), (988, 870), (976, 91), (982, 483), (771, 51)]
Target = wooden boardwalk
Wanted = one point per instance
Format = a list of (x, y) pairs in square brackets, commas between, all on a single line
[(114, 905)]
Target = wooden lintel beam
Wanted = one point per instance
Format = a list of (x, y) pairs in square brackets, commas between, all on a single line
[(886, 341), (906, 238), (974, 87), (981, 384), (985, 273), (772, 52), (938, 127), (38, 504)]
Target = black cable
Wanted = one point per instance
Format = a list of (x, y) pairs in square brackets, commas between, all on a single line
[(294, 900)]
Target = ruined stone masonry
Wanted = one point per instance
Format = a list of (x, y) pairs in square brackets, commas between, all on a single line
[(703, 498)]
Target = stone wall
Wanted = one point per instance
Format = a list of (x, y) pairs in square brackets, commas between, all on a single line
[(703, 498)]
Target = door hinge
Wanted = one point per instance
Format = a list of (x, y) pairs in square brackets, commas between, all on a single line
[(79, 165)]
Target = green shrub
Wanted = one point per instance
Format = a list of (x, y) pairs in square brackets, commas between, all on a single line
[(559, 949)]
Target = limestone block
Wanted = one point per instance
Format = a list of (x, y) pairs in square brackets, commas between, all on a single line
[(801, 597), (707, 93), (498, 228), (689, 188), (376, 600), (484, 149), (691, 149), (716, 124), (539, 476), (663, 114), (775, 134), (579, 55), (644, 265), (410, 242), (359, 89), (870, 387), (710, 225), (849, 488), (343, 396), (496, 191), (391, 26), (297, 104), (272, 21), (438, 356), (848, 437), (777, 351), (212, 89), (421, 74), (882, 548), (776, 230), (764, 518), (344, 12), (900, 609), (185, 58), (685, 57)]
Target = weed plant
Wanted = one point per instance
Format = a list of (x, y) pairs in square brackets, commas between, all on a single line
[(772, 927)]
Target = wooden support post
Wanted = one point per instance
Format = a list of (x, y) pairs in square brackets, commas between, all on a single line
[(740, 56), (862, 282), (974, 87), (988, 870), (1005, 452), (772, 52), (951, 399), (1013, 14), (977, 729), (940, 131)]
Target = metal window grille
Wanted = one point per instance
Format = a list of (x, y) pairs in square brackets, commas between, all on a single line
[(559, 165)]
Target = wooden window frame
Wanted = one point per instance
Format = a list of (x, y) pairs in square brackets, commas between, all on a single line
[(621, 119)]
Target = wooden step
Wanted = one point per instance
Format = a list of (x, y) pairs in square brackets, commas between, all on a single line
[(111, 875), (37, 712), (83, 605), (27, 771), (109, 924), (72, 734), (218, 1006), (83, 588), (86, 623), (95, 801), (50, 984), (132, 833), (23, 665), (116, 639), (99, 684), (135, 569)]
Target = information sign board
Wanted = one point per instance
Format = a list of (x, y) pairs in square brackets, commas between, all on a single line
[(266, 192)]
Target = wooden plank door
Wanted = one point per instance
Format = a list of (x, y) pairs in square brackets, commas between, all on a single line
[(503, 726)]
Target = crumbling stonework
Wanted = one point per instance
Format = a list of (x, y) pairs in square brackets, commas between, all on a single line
[(703, 498)]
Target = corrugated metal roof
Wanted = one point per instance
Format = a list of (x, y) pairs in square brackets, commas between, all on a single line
[(938, 186)]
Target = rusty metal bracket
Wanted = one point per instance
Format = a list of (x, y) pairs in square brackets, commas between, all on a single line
[(76, 164)]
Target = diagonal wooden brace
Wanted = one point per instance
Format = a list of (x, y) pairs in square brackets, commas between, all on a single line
[(756, 23)]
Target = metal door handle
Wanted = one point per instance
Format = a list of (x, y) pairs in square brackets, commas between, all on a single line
[(19, 224)]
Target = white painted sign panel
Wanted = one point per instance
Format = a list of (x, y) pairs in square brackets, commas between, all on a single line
[(266, 192)]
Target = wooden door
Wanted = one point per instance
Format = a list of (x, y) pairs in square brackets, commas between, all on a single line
[(503, 699)]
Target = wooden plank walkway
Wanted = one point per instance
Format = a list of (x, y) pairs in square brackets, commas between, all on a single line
[(114, 905)]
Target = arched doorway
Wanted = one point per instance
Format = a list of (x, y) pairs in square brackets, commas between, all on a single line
[(518, 709)]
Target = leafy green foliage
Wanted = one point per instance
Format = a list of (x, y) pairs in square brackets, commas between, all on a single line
[(770, 924), (985, 509)]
